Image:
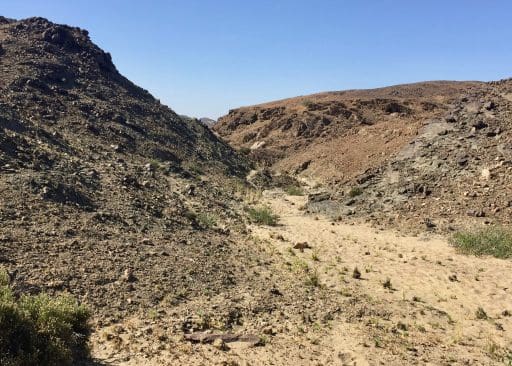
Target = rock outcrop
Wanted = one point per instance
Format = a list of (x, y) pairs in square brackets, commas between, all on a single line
[(436, 152)]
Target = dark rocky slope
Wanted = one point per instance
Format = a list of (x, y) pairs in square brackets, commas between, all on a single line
[(105, 192)]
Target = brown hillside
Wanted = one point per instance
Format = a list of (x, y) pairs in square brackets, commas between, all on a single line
[(318, 134), (418, 151)]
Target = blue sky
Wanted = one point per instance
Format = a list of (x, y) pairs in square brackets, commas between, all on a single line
[(204, 57)]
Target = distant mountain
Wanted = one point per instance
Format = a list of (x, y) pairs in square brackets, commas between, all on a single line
[(208, 121)]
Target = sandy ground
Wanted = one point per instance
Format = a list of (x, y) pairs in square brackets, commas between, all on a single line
[(418, 300)]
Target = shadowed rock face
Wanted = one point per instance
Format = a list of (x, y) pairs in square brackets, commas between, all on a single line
[(98, 178), (420, 152)]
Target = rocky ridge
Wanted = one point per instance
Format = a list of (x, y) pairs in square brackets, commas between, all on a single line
[(426, 154), (454, 173), (104, 191)]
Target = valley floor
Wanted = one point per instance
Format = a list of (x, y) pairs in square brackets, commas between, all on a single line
[(417, 301)]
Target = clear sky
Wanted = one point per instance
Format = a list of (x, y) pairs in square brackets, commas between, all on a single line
[(204, 57)]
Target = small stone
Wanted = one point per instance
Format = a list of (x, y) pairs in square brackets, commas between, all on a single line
[(269, 331), (128, 275), (190, 189), (302, 246), (56, 284), (485, 174), (480, 125), (462, 161), (490, 105), (429, 223), (451, 119), (116, 147), (220, 344)]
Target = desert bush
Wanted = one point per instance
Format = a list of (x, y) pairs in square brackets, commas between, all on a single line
[(245, 192), (354, 192), (294, 191), (313, 279), (154, 165), (206, 220), (495, 241), (40, 330), (263, 215), (194, 168)]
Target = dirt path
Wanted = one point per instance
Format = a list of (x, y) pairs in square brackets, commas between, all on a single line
[(424, 270), (417, 301)]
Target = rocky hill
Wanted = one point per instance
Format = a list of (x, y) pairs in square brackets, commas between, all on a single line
[(105, 192), (455, 172), (420, 153)]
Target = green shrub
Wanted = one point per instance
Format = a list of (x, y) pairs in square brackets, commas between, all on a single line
[(354, 192), (493, 241), (263, 215), (40, 330), (294, 191), (206, 220), (313, 279), (481, 314), (154, 165), (194, 168)]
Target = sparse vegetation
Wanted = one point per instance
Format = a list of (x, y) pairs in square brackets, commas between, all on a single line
[(355, 191), (315, 256), (498, 353), (194, 168), (313, 279), (481, 314), (246, 193), (300, 265), (495, 241), (264, 340), (154, 165), (40, 330), (387, 284), (294, 191), (263, 216), (206, 220)]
